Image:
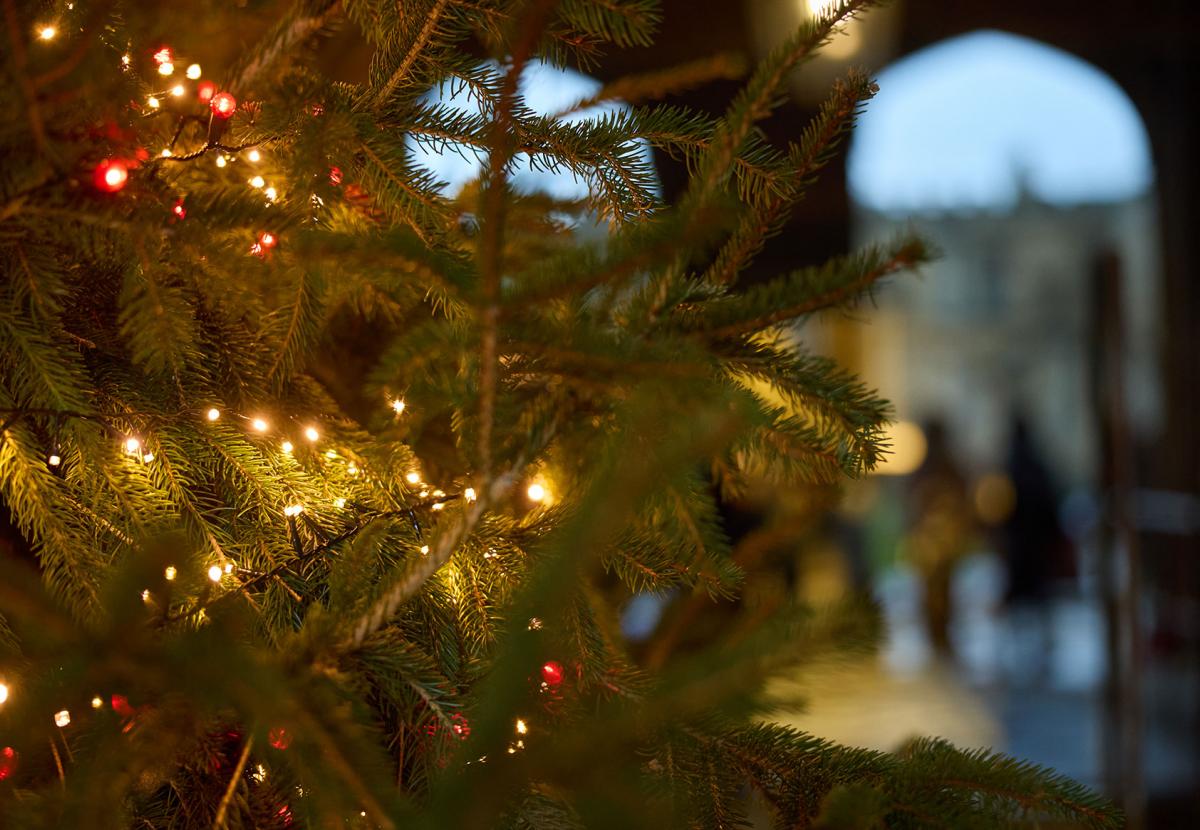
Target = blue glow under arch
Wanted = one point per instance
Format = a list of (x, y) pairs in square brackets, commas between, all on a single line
[(970, 122)]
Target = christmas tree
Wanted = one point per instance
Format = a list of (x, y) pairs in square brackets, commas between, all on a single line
[(259, 593)]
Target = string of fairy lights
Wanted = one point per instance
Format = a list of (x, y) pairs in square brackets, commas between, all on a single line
[(110, 176)]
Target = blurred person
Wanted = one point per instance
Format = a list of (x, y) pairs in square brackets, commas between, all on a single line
[(942, 531)]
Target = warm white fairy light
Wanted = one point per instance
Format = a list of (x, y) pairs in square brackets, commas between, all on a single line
[(147, 458), (146, 595), (178, 90), (259, 425), (193, 71), (423, 494), (228, 567), (286, 446), (398, 406), (522, 729), (352, 468), (536, 492), (258, 182), (469, 494), (424, 550), (311, 433), (330, 454), (339, 502), (62, 718), (271, 194), (170, 573), (215, 573), (97, 702), (221, 162), (152, 102), (254, 156), (54, 460), (293, 510), (166, 152), (132, 445), (439, 505), (47, 32), (126, 60), (413, 478), (213, 414), (166, 68), (3, 692)]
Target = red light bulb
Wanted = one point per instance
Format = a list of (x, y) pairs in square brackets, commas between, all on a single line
[(552, 672), (460, 726), (267, 239), (120, 705), (8, 762), (223, 105), (163, 55), (335, 175), (179, 210), (205, 90), (280, 738), (110, 175)]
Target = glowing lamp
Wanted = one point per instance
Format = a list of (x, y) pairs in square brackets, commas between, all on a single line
[(205, 90), (552, 672)]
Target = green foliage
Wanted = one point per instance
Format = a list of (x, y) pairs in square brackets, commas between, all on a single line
[(314, 610)]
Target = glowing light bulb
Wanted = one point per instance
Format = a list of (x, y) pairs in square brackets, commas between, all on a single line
[(254, 156), (193, 71), (170, 573), (221, 161), (223, 105), (3, 692), (311, 433), (293, 510), (259, 425), (413, 478), (258, 182), (536, 492), (330, 454), (152, 102), (62, 718), (352, 468), (205, 90), (339, 502), (215, 573), (132, 445), (271, 193), (424, 550), (228, 567), (469, 494), (213, 414), (148, 457), (54, 461), (398, 406), (163, 55), (438, 506), (110, 175), (178, 90), (97, 702), (146, 595), (166, 68), (47, 32), (126, 59), (522, 729), (166, 152), (286, 446)]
